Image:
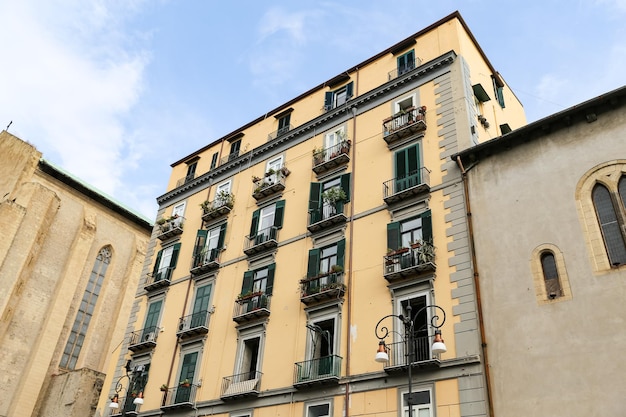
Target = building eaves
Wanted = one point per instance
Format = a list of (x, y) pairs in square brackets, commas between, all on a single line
[(95, 194), (332, 81), (586, 112)]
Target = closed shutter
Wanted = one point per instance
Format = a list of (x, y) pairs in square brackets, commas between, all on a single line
[(248, 278), (328, 100), (345, 185), (279, 214), (220, 240), (427, 226), (254, 226), (349, 90), (155, 270), (315, 196), (393, 236), (314, 263), (269, 286), (341, 249)]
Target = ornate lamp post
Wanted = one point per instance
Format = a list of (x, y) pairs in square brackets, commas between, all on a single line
[(382, 332), (119, 387)]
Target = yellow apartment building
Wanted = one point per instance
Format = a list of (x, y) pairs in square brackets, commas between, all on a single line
[(280, 247)]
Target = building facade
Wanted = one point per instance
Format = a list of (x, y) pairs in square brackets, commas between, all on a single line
[(280, 246), (68, 257), (548, 204)]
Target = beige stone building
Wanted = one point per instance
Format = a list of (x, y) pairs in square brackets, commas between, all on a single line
[(281, 245), (70, 261), (548, 208)]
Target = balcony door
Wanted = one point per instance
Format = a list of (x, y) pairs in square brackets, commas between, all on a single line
[(152, 321), (407, 167), (201, 306), (187, 373)]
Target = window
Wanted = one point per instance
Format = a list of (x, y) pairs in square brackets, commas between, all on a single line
[(152, 321), (178, 213), (334, 99), (334, 138), (214, 160), (266, 221), (223, 188), (407, 167), (498, 91), (200, 312), (609, 210), (420, 316), (165, 263), (234, 150), (323, 260), (551, 275), (284, 124), (406, 62), (420, 401), (324, 203), (139, 381), (273, 165), (318, 410), (209, 244), (191, 170), (260, 282), (86, 309), (404, 105), (249, 359), (323, 361), (402, 234), (187, 374)]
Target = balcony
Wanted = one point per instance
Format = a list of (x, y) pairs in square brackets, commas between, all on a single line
[(325, 370), (184, 180), (326, 159), (205, 261), (409, 262), (170, 227), (403, 124), (264, 240), (253, 306), (283, 130), (193, 325), (143, 340), (422, 356), (328, 286), (221, 206), (402, 188), (180, 397), (408, 68), (272, 183), (241, 385), (161, 279), (230, 157), (326, 216)]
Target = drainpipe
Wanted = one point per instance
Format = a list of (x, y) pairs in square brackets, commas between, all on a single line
[(351, 233), (479, 306)]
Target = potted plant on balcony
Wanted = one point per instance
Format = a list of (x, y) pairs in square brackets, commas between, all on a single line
[(335, 269), (163, 388), (318, 155), (185, 383), (333, 196), (224, 198), (425, 252), (345, 146)]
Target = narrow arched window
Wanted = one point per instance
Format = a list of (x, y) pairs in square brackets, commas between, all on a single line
[(609, 224), (551, 275), (86, 309)]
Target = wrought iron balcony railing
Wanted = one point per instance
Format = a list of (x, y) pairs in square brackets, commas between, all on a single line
[(326, 369), (194, 324), (270, 184), (205, 261), (143, 339), (279, 132), (403, 124), (218, 207), (407, 186), (230, 157), (326, 216), (329, 158), (263, 240), (161, 278), (185, 180), (405, 262), (241, 385), (421, 354), (251, 306), (181, 396), (171, 227), (407, 68), (322, 287)]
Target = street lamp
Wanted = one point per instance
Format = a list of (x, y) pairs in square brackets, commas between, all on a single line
[(119, 387), (438, 346)]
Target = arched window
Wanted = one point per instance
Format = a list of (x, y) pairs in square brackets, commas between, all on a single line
[(86, 309), (551, 275), (609, 220)]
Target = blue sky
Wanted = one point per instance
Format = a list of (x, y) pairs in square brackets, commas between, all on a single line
[(114, 91)]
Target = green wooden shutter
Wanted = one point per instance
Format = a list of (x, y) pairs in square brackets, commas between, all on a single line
[(315, 196), (349, 90), (220, 240), (201, 303), (314, 263), (427, 226), (393, 236), (248, 278), (200, 242), (328, 100), (174, 259), (254, 226), (269, 286), (152, 318), (155, 270), (344, 182), (401, 168), (188, 369), (279, 214), (341, 251)]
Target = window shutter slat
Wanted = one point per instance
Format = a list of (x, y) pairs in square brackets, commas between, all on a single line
[(315, 196), (328, 100), (200, 242), (279, 214), (341, 251), (345, 185), (155, 270), (269, 286), (254, 225), (349, 90), (314, 263), (427, 226), (393, 236), (248, 277)]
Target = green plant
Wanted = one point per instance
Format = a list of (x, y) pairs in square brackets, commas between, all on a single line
[(319, 154), (336, 268), (334, 195), (425, 251), (269, 172), (161, 221), (185, 383), (224, 198), (163, 387)]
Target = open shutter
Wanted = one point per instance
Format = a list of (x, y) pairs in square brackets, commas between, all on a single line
[(152, 318), (269, 285), (155, 270), (427, 226), (349, 90), (401, 168), (200, 242), (248, 277), (413, 160), (175, 253), (328, 100), (254, 226), (220, 240), (341, 251), (393, 236), (314, 263), (279, 214), (188, 369), (345, 185), (315, 196)]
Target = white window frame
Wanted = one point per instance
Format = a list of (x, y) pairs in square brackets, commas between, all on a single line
[(398, 309), (248, 334), (179, 209), (318, 403), (266, 213), (416, 408), (333, 138), (166, 254), (397, 105), (225, 186), (314, 318)]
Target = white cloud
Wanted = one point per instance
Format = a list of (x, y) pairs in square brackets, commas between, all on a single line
[(68, 77)]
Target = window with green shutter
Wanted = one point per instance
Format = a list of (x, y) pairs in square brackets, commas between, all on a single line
[(402, 234), (266, 221), (406, 62), (165, 262), (319, 208), (333, 99), (407, 166)]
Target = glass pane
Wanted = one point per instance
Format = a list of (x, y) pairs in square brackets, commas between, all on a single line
[(610, 227), (549, 266)]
